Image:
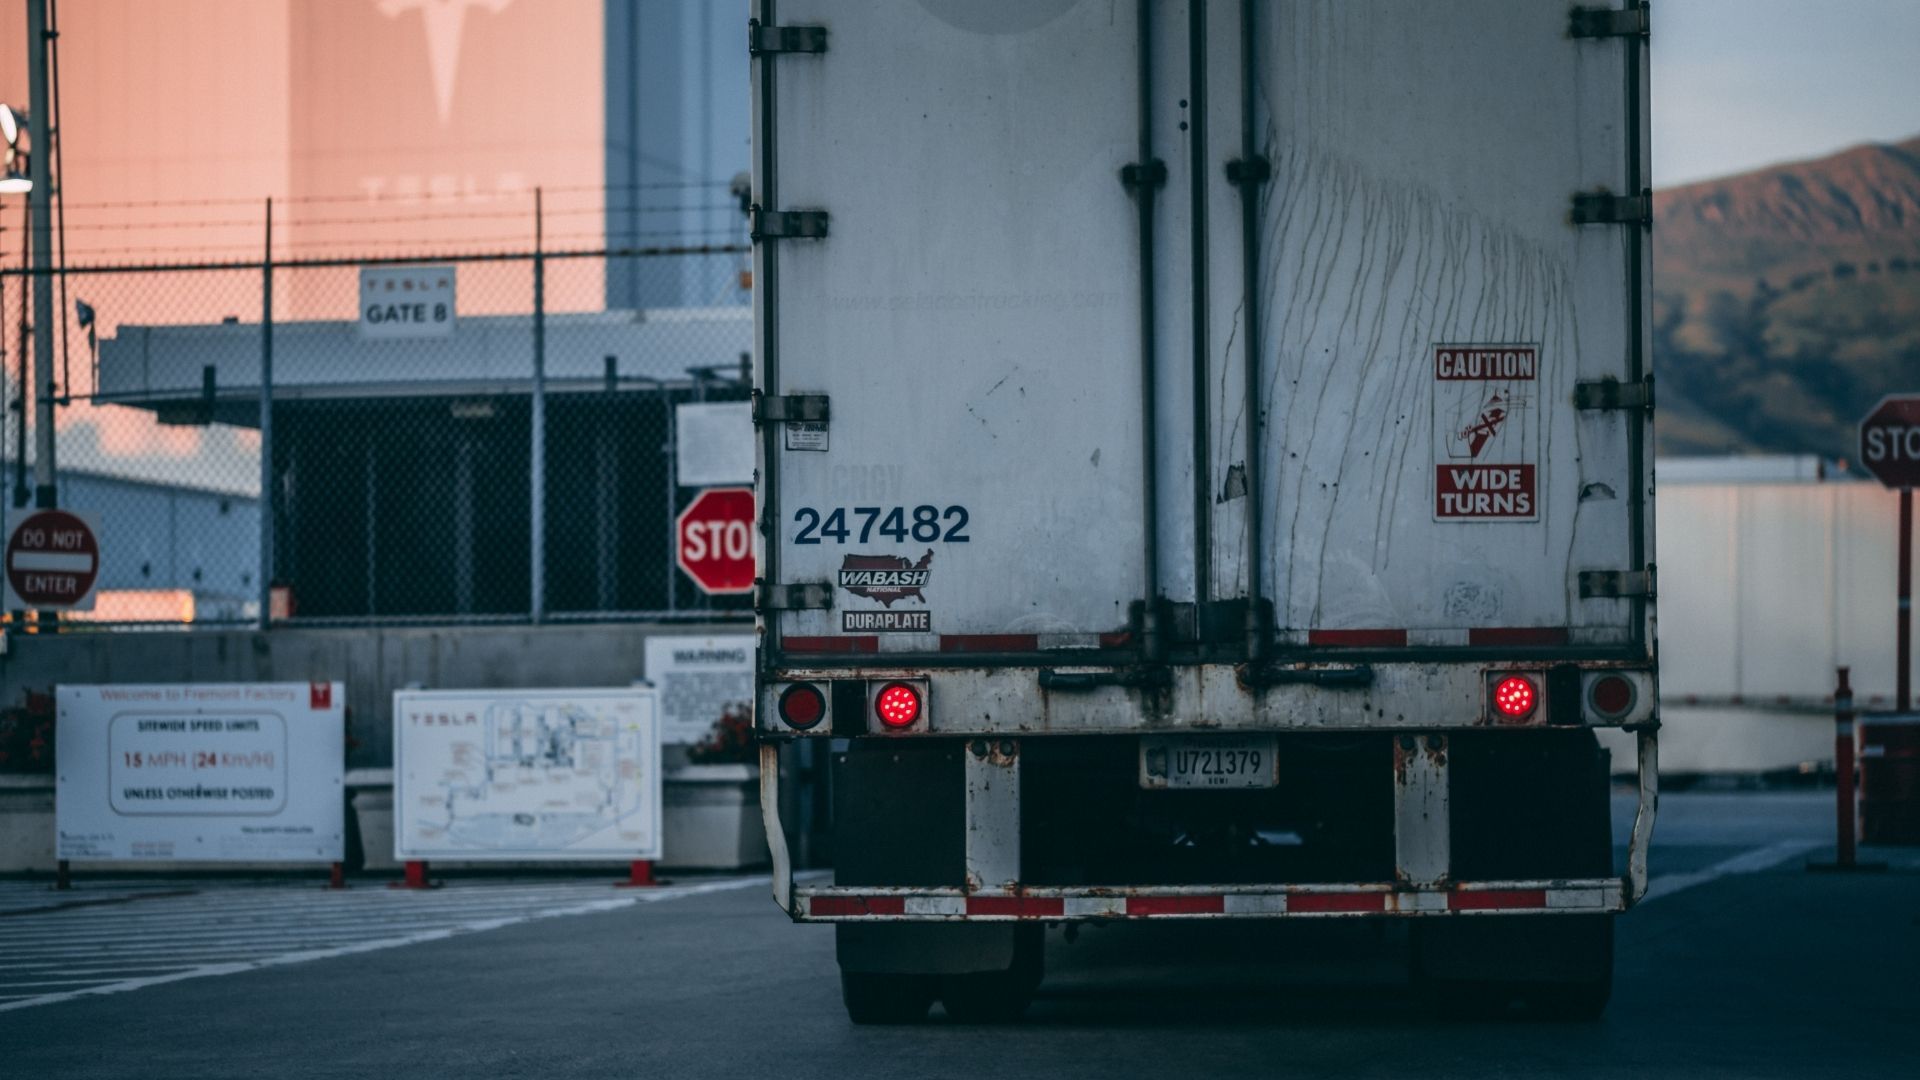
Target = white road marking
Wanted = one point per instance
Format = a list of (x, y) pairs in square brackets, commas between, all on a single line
[(279, 932), (221, 931), (1747, 862)]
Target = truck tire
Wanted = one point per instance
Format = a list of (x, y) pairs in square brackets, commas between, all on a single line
[(998, 997), (1582, 1000), (875, 998), (1554, 967)]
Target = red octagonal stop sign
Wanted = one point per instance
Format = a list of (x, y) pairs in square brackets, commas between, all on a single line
[(53, 559), (714, 540), (1890, 441)]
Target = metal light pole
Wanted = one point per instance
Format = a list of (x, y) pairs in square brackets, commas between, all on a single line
[(537, 422), (41, 200)]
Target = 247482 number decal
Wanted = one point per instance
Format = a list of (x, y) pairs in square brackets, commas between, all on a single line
[(861, 524)]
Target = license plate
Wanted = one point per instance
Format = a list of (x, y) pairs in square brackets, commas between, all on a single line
[(1183, 762)]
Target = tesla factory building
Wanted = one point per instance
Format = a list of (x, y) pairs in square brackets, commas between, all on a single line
[(402, 460)]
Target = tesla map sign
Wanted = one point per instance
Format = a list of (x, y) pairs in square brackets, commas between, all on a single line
[(53, 559), (1486, 433), (526, 774), (1890, 442), (713, 540), (237, 771)]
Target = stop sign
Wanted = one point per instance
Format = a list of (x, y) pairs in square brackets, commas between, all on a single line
[(713, 540), (53, 560), (1890, 441)]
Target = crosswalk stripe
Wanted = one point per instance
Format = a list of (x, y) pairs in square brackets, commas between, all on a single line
[(341, 907), (181, 932), (93, 948)]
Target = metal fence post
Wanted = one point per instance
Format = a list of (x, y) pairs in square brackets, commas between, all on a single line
[(672, 450), (40, 203), (266, 427), (537, 486)]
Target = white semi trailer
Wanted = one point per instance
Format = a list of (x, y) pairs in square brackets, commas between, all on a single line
[(1205, 458)]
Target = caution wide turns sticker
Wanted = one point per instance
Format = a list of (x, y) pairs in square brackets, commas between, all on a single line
[(1486, 433)]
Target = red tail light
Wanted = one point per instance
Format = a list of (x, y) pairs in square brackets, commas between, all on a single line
[(1612, 696), (1515, 697), (897, 705), (802, 706)]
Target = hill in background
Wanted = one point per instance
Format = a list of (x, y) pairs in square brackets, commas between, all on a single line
[(1786, 302)]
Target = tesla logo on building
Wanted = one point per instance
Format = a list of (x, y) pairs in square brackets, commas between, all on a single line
[(445, 19)]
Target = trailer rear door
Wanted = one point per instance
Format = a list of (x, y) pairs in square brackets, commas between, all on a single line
[(972, 317), (1430, 305)]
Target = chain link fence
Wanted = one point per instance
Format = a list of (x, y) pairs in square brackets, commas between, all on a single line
[(470, 438)]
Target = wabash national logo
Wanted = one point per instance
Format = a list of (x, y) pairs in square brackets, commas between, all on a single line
[(886, 578)]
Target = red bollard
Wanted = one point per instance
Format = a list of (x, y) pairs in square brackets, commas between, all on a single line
[(1845, 784), (416, 876), (639, 876), (337, 876)]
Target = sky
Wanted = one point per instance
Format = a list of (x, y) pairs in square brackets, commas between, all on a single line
[(1739, 84)]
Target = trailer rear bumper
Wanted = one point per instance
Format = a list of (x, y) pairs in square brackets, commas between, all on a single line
[(1423, 888), (863, 904)]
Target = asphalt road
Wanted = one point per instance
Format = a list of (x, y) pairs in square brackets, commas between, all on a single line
[(1741, 964)]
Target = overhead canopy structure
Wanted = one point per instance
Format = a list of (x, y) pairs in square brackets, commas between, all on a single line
[(211, 373)]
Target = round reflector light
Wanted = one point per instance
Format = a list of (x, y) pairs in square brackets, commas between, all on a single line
[(802, 706), (897, 705), (1515, 697), (1612, 696)]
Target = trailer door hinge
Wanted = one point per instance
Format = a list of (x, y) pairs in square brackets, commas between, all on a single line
[(1601, 22), (1249, 171), (789, 408), (1616, 584), (787, 224), (1153, 174), (1606, 208), (804, 596), (763, 39), (1614, 394)]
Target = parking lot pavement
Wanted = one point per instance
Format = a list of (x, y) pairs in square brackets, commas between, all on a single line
[(116, 936), (1744, 964)]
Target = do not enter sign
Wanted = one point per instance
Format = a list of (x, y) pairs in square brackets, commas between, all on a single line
[(1890, 441), (53, 559), (714, 540)]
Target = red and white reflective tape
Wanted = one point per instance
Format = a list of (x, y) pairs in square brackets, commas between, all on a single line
[(851, 903), (1376, 638)]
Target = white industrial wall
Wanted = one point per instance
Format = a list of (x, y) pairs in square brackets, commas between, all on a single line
[(1766, 587)]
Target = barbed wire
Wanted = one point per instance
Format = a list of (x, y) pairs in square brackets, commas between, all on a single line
[(591, 244), (362, 197), (396, 219)]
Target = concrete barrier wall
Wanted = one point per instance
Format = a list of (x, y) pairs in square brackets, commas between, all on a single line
[(372, 662)]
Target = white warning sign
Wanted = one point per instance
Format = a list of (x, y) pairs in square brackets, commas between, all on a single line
[(1486, 433)]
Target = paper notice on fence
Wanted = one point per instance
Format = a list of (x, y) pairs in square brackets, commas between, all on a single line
[(699, 678)]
